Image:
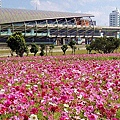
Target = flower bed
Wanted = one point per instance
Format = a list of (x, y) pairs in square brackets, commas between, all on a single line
[(78, 87)]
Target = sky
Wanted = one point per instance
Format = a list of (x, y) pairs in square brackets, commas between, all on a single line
[(99, 8)]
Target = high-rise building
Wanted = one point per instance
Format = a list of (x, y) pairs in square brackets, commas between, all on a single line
[(114, 18)]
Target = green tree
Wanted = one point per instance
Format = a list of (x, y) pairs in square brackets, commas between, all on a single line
[(26, 50), (104, 44), (42, 48), (72, 45), (34, 49), (64, 48), (88, 48), (17, 44), (51, 47), (74, 49)]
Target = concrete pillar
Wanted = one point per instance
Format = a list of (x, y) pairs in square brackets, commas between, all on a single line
[(56, 42), (117, 34), (48, 32), (9, 31), (32, 31), (0, 30)]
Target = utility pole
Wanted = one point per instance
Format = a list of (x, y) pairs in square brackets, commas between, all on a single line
[(0, 3), (36, 5)]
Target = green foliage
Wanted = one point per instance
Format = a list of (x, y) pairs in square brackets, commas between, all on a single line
[(74, 48), (118, 113), (42, 53), (57, 115), (42, 48), (34, 49), (88, 48), (72, 45), (104, 45), (17, 44), (64, 48), (81, 114), (41, 117), (26, 50)]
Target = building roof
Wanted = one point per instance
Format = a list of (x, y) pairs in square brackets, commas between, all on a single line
[(8, 15)]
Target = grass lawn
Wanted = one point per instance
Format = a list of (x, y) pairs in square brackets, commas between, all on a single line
[(56, 51)]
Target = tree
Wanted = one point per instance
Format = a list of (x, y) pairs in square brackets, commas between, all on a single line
[(34, 49), (88, 48), (104, 44), (51, 47), (64, 48), (74, 48), (26, 50), (72, 45), (17, 44), (42, 48)]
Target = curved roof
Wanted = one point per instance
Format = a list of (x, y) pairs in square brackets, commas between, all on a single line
[(8, 15)]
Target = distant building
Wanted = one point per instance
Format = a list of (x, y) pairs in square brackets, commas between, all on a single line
[(114, 18), (45, 27), (93, 23)]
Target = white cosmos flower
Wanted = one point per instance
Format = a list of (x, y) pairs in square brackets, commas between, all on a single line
[(27, 85), (65, 110), (42, 101), (50, 103), (35, 85), (42, 73), (16, 79), (2, 91), (80, 96), (75, 90), (9, 84), (33, 117), (66, 105)]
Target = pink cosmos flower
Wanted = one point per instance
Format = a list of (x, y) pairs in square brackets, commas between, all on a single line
[(7, 103), (87, 86), (115, 119), (90, 109), (64, 116), (92, 117), (34, 111), (24, 100), (2, 110)]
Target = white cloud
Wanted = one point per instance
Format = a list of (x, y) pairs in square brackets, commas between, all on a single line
[(101, 15), (47, 5), (78, 11), (100, 9), (35, 3)]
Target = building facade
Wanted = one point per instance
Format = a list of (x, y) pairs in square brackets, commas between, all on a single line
[(114, 18), (50, 27), (45, 27)]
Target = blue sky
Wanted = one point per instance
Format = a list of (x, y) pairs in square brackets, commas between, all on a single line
[(99, 8)]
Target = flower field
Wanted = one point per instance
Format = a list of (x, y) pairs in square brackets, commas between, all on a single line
[(79, 87)]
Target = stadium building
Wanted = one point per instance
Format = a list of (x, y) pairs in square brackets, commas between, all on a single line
[(45, 27)]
